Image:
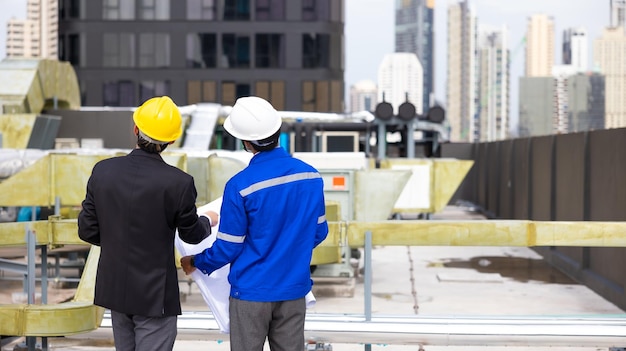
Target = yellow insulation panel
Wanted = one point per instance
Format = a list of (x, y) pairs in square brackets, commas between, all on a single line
[(329, 251), (12, 319), (16, 130), (53, 232), (603, 234), (14, 233), (77, 316), (31, 85), (488, 233), (68, 178), (61, 175), (432, 183), (66, 318), (28, 187), (64, 232)]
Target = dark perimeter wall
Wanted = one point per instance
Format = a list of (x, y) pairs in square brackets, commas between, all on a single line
[(568, 177)]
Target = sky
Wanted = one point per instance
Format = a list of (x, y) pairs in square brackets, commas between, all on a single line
[(369, 32)]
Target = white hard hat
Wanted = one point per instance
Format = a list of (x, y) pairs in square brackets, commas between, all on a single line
[(252, 118)]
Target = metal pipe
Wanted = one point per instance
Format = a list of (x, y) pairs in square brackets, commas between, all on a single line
[(381, 140), (367, 283), (410, 139), (331, 126), (31, 241), (594, 331)]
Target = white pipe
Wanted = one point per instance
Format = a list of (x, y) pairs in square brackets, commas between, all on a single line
[(596, 331)]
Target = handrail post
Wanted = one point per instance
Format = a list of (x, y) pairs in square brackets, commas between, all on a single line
[(367, 280), (31, 241)]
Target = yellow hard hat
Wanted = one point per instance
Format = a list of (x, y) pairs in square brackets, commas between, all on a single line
[(159, 119)]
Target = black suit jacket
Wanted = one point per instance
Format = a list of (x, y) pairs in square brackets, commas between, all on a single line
[(132, 208)]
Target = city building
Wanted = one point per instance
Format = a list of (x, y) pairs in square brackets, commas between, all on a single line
[(125, 51), (561, 98), (414, 32), (536, 106), (539, 46), (609, 54), (363, 96), (586, 102), (618, 13), (492, 96), (461, 79), (400, 80), (37, 35), (576, 48), (568, 102)]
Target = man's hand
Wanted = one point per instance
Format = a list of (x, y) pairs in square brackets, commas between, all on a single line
[(185, 263), (213, 216)]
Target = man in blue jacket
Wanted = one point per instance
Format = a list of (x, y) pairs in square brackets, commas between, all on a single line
[(272, 217)]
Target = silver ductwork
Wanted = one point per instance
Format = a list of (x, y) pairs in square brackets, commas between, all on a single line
[(593, 331)]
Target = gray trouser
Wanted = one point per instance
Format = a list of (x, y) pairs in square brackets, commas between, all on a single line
[(138, 333), (281, 322)]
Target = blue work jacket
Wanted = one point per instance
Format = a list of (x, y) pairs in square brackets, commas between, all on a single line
[(272, 217)]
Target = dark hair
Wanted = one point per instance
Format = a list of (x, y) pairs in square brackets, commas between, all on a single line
[(267, 144), (150, 147)]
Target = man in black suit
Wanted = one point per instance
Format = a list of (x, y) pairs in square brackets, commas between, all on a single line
[(133, 206)]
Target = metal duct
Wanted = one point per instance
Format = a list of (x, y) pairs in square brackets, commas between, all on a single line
[(594, 331)]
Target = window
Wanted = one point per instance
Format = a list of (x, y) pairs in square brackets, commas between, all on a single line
[(118, 9), (61, 46), (120, 93), (149, 89), (316, 10), (272, 91), (201, 91), (232, 90), (270, 10), (201, 50), (236, 10), (315, 50), (154, 9), (73, 49), (118, 50), (201, 9), (322, 96), (236, 50), (154, 50), (69, 9), (269, 51)]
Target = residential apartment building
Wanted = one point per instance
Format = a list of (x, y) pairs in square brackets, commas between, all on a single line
[(609, 54), (539, 46), (400, 80), (618, 13), (125, 51), (561, 100), (536, 106), (37, 35), (414, 32), (492, 95), (461, 79), (363, 96), (576, 48), (586, 102), (568, 102)]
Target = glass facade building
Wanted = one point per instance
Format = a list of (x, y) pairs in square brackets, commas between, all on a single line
[(125, 51), (414, 32)]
